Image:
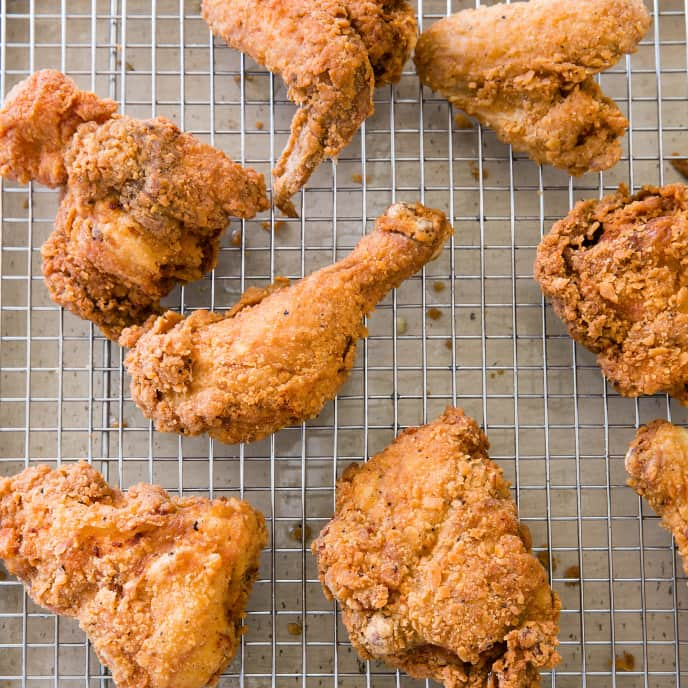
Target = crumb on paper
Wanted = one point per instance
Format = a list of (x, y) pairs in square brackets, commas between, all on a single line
[(117, 424), (235, 237), (279, 224), (572, 572), (247, 77), (300, 534), (259, 125), (472, 316), (448, 344), (402, 325), (496, 373), (543, 558), (681, 166), (295, 628), (25, 204), (475, 171), (624, 662), (434, 313), (129, 67), (439, 287), (461, 121), (358, 178)]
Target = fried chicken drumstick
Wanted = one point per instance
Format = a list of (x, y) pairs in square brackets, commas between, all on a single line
[(331, 55), (526, 69), (617, 273), (158, 583), (433, 571), (144, 206), (657, 463), (281, 353)]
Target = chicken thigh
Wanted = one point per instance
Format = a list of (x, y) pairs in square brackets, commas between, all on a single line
[(433, 571)]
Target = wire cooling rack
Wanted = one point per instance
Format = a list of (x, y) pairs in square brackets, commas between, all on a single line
[(471, 330)]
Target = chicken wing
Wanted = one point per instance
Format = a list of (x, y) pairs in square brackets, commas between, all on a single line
[(330, 54), (144, 207), (280, 353), (657, 463), (159, 584), (526, 70), (37, 122), (433, 571), (617, 273)]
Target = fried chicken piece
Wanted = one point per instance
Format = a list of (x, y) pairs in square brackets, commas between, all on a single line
[(433, 571), (158, 583), (144, 208), (617, 273), (657, 463), (40, 116), (680, 165), (281, 353), (330, 53), (526, 70)]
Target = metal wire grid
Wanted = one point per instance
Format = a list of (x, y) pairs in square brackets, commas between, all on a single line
[(472, 330)]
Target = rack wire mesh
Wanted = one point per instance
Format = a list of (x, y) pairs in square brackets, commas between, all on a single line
[(472, 330)]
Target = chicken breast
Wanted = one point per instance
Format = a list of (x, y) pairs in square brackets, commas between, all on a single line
[(158, 583)]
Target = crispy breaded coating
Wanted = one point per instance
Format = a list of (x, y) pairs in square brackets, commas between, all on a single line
[(145, 204), (37, 121), (617, 273), (432, 570), (281, 353), (657, 464), (330, 54), (389, 31), (145, 209), (526, 70), (158, 583)]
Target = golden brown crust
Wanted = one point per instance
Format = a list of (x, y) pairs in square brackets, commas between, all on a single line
[(82, 276), (389, 32), (159, 584), (617, 273), (328, 52), (431, 567), (283, 353), (657, 464), (145, 208), (525, 69), (37, 121)]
